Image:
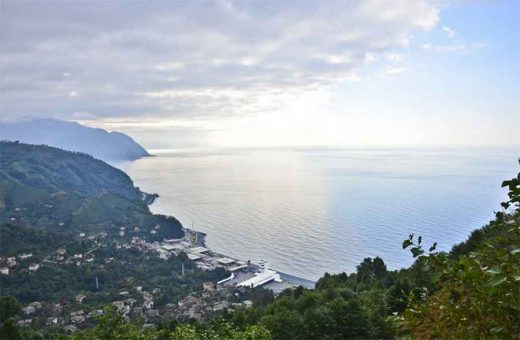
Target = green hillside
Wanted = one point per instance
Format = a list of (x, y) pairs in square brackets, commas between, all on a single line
[(45, 187)]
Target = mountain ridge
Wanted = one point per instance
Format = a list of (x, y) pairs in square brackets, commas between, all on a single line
[(72, 136)]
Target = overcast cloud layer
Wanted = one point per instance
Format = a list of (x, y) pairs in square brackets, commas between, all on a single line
[(189, 59)]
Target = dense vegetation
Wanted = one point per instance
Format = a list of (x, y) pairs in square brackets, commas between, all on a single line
[(45, 187), (126, 270)]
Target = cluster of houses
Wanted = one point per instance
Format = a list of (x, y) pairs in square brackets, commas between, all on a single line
[(8, 264), (73, 320), (132, 307), (212, 299), (140, 303)]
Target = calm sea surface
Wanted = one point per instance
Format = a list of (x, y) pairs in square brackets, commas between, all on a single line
[(314, 211)]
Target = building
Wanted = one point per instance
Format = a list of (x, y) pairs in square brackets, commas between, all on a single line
[(188, 301), (70, 328), (76, 313), (225, 261), (168, 247), (77, 319), (36, 304), (208, 286), (231, 277), (152, 313), (28, 310), (51, 321), (260, 279), (198, 250), (34, 267), (80, 298), (193, 257), (25, 323)]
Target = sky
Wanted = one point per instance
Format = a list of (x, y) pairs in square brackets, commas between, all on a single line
[(174, 74)]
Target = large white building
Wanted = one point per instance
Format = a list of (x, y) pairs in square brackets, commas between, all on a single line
[(263, 276)]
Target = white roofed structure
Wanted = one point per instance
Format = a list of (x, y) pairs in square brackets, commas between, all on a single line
[(261, 279)]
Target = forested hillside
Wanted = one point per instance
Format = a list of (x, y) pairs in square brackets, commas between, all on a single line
[(45, 187)]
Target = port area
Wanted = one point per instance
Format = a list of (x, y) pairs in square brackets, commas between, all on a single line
[(277, 286), (242, 273)]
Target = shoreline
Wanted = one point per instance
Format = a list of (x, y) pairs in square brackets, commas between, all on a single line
[(289, 280)]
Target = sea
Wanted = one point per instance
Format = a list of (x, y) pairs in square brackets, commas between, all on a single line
[(309, 211)]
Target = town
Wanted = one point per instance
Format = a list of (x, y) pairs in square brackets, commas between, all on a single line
[(228, 294)]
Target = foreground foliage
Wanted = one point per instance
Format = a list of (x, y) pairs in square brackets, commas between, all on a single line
[(477, 294)]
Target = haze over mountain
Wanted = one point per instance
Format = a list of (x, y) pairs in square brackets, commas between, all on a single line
[(99, 143)]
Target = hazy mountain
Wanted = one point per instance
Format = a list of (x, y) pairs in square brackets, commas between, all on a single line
[(108, 146)]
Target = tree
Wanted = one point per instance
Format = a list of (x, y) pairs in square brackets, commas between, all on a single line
[(476, 295), (369, 269), (8, 307), (10, 330)]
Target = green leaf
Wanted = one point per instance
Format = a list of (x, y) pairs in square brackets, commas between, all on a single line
[(406, 243), (433, 247), (496, 281), (505, 183), (493, 271), (417, 251), (419, 240), (495, 330)]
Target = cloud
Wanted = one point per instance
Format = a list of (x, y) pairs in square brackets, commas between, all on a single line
[(172, 59), (450, 33), (454, 48)]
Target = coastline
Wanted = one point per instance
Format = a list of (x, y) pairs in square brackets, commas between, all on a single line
[(288, 280)]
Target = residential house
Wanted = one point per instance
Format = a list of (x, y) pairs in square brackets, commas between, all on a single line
[(28, 310), (51, 321), (25, 323), (36, 304), (70, 328), (80, 298), (34, 267)]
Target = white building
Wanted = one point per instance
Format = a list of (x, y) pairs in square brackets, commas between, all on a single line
[(34, 267), (261, 278)]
